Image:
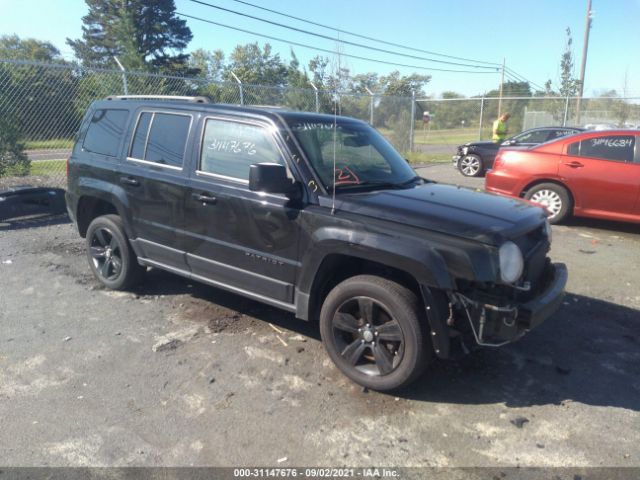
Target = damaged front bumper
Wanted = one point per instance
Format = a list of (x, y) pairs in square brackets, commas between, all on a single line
[(495, 324)]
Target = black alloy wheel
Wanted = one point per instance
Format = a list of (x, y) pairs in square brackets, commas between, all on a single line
[(368, 336), (372, 328), (111, 258), (106, 253)]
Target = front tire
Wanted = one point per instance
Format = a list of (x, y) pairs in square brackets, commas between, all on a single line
[(554, 198), (471, 166), (372, 328), (110, 255)]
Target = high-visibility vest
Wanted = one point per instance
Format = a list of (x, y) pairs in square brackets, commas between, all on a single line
[(499, 131)]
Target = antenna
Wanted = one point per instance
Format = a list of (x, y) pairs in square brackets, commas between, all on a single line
[(335, 130), (335, 133)]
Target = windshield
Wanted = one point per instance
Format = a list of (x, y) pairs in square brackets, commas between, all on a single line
[(362, 156)]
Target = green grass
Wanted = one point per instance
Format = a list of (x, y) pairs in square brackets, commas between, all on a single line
[(455, 136), (48, 167), (48, 144), (421, 157)]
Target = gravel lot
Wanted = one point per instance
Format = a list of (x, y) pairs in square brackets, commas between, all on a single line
[(178, 373)]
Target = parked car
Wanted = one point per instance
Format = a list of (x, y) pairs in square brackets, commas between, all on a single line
[(314, 214), (474, 159), (592, 174)]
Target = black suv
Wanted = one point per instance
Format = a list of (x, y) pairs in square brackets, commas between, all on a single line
[(473, 159), (317, 215)]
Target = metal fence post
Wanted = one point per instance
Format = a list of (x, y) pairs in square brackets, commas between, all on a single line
[(481, 115), (566, 111), (125, 86), (413, 119), (315, 89), (370, 105), (240, 87)]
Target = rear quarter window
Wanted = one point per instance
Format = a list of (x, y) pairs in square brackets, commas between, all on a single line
[(618, 148), (105, 131)]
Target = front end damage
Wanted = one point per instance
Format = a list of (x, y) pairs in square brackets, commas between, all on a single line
[(497, 320), (493, 315)]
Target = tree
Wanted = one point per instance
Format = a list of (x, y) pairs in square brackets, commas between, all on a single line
[(516, 98), (398, 90), (143, 34), (13, 160), (13, 47), (403, 86), (208, 64), (569, 85), (34, 99), (254, 65), (28, 94)]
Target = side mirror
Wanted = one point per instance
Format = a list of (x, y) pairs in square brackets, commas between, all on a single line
[(269, 178)]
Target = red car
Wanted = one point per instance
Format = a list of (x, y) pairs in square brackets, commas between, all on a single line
[(591, 174)]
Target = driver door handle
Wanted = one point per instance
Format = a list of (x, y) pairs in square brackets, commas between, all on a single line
[(574, 164), (204, 198), (130, 181)]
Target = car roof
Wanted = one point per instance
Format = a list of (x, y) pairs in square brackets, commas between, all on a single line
[(559, 127), (273, 112)]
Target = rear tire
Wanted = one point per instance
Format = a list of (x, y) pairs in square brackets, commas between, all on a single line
[(110, 255), (372, 328), (554, 198)]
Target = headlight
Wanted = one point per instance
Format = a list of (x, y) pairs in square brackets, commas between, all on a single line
[(465, 150), (511, 262), (547, 230)]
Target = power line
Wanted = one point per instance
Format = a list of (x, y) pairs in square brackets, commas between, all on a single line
[(364, 36), (334, 39), (327, 51), (523, 78)]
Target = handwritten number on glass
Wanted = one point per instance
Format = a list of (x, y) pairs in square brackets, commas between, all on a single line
[(232, 146)]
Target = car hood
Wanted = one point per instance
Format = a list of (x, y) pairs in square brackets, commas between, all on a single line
[(459, 211), (482, 144)]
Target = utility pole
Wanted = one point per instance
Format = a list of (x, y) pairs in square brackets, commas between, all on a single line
[(501, 84), (583, 64)]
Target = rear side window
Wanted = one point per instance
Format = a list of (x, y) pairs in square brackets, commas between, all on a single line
[(105, 131), (161, 138), (229, 148), (537, 136), (618, 148)]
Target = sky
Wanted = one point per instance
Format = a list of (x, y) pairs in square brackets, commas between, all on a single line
[(528, 34)]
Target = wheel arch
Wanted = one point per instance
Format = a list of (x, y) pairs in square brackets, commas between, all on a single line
[(91, 207), (555, 181), (337, 267)]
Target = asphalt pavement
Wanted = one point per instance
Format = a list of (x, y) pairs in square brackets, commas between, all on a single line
[(176, 373)]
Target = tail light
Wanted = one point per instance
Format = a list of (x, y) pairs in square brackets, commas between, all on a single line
[(497, 163)]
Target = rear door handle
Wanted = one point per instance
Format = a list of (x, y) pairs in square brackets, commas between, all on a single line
[(204, 198), (130, 181), (574, 164)]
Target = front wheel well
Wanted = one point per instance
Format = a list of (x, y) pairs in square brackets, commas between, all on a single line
[(336, 268), (90, 208)]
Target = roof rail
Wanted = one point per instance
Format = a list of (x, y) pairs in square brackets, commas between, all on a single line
[(160, 97)]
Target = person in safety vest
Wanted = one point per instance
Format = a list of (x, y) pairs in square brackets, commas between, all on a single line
[(500, 128)]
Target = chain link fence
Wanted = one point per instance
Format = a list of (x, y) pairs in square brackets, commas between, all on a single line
[(42, 105), (453, 122)]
